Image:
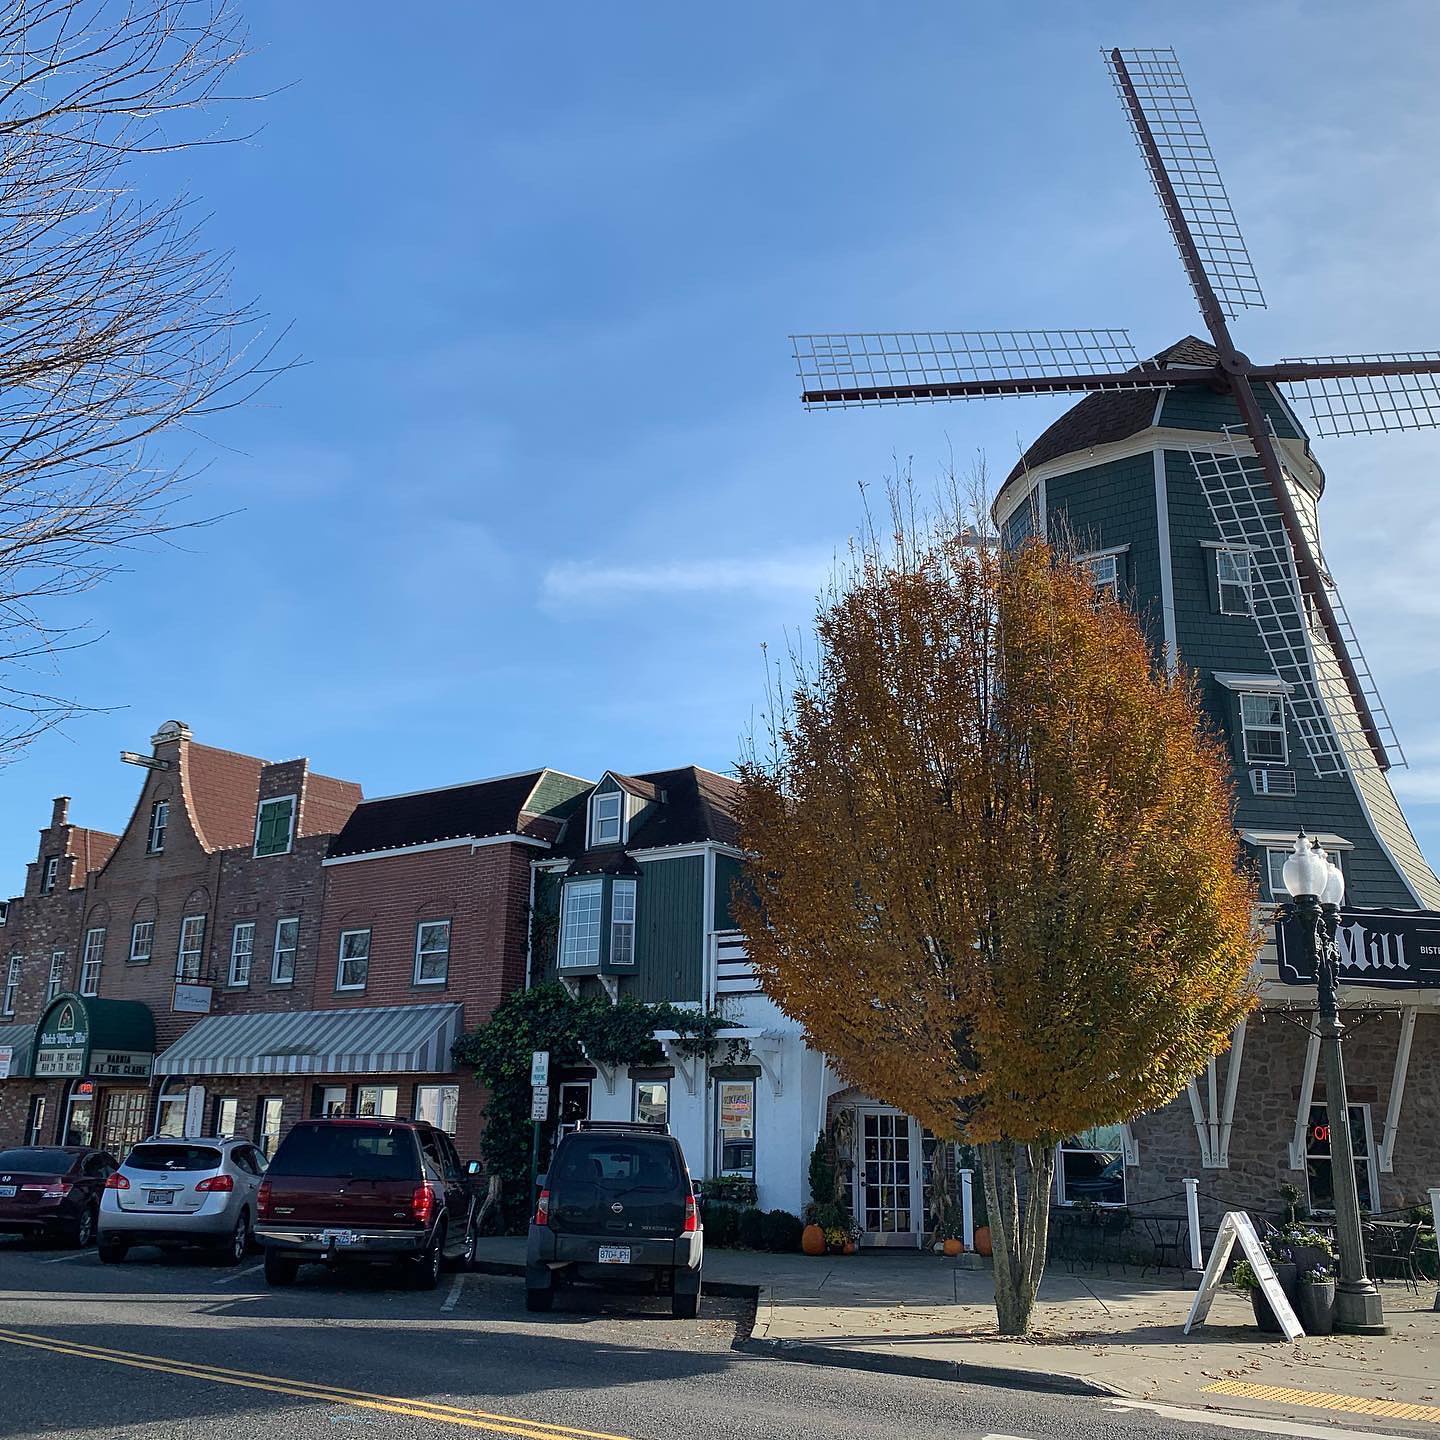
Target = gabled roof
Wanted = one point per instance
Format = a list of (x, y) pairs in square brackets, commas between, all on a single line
[(475, 811), (698, 805), (1111, 415)]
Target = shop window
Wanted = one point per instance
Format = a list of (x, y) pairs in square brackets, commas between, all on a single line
[(242, 952), (1319, 1172), (227, 1116), (735, 1127), (432, 952), (93, 955), (287, 941), (606, 818), (170, 1113), (439, 1104), (622, 922), (275, 826), (142, 941), (332, 1102), (652, 1102), (574, 1104), (269, 1117), (1262, 727), (191, 953), (377, 1101), (12, 984), (56, 982), (354, 968), (35, 1121), (159, 823), (581, 904), (1092, 1167)]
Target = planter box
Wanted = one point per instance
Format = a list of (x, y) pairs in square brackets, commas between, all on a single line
[(1317, 1308)]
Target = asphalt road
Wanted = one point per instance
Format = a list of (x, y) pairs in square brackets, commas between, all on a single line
[(163, 1347)]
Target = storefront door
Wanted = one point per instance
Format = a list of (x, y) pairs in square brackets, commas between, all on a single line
[(889, 1200), (124, 1125), (79, 1128)]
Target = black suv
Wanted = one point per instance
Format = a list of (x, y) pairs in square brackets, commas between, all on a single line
[(616, 1205)]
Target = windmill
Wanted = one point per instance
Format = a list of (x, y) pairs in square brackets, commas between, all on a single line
[(1256, 503)]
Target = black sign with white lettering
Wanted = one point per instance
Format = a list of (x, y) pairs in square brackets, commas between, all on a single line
[(1395, 948)]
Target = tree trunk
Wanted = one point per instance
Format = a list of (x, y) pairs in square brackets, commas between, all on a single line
[(1019, 1235)]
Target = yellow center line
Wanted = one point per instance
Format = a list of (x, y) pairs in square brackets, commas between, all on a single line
[(306, 1390), (1325, 1400)]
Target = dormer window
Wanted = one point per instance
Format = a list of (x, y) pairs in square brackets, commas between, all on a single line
[(275, 826), (51, 874), (606, 813), (159, 823)]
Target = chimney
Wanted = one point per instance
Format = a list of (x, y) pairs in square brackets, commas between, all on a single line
[(60, 813)]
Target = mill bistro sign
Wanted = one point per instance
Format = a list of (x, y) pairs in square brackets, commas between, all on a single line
[(101, 1039), (1397, 949)]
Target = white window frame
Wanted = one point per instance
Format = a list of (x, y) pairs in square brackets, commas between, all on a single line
[(293, 802), (381, 1091), (51, 875), (1270, 696), (618, 819), (1274, 864), (622, 890), (12, 984), (159, 823), (136, 937), (91, 960), (753, 1139), (1104, 572), (423, 952), (277, 950), (191, 925), (443, 1103), (242, 954), (566, 1127), (569, 892), (635, 1087), (56, 983), (1370, 1157), (1065, 1147), (342, 958), (326, 1091), (1244, 566)]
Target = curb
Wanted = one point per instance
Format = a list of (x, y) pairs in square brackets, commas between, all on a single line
[(725, 1289), (1004, 1377)]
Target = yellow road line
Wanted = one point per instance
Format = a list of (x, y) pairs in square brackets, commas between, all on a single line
[(1324, 1400), (306, 1390)]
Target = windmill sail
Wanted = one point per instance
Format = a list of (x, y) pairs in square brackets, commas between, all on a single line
[(1361, 404)]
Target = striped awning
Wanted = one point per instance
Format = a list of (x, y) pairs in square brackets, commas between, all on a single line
[(390, 1039), (21, 1041)]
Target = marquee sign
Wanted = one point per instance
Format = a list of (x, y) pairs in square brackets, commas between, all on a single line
[(1399, 949), (110, 1040)]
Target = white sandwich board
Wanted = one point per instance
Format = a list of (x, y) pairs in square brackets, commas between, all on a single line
[(1237, 1225)]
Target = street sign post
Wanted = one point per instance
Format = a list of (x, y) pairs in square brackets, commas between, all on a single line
[(539, 1112), (539, 1067), (540, 1103)]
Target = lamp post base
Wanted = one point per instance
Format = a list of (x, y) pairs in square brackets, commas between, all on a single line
[(1358, 1310)]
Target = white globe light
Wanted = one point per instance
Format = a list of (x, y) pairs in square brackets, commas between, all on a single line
[(1334, 884), (1305, 870)]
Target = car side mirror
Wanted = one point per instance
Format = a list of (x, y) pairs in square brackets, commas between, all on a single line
[(473, 1168)]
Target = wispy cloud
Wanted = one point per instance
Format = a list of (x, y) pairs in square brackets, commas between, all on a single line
[(595, 583)]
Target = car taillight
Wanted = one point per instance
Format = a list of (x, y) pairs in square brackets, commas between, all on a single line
[(692, 1215), (542, 1209), (217, 1182), (116, 1182), (262, 1200), (422, 1204)]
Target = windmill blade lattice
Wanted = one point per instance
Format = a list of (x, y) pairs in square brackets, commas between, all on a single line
[(1364, 404), (1184, 151), (837, 371)]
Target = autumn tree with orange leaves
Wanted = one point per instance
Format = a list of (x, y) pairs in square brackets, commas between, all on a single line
[(994, 874)]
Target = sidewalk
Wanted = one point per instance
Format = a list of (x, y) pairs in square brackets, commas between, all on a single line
[(1118, 1335)]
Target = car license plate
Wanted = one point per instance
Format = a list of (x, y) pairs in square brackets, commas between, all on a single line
[(7, 1192), (337, 1237), (161, 1197), (614, 1254)]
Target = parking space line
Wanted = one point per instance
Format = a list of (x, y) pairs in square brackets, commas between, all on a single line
[(309, 1390), (235, 1275), (454, 1294), (61, 1259)]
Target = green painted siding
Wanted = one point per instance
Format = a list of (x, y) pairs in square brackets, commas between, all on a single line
[(1193, 407), (669, 930), (727, 871)]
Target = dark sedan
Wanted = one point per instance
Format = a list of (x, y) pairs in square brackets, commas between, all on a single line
[(53, 1190)]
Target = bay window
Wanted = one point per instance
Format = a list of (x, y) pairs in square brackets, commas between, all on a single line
[(581, 904)]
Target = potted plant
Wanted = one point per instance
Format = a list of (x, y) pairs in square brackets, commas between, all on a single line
[(1317, 1300), (1245, 1279)]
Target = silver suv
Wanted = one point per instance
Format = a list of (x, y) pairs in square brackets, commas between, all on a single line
[(195, 1191)]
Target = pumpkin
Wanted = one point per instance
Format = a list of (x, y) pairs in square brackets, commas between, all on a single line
[(982, 1240), (953, 1247), (849, 1247), (812, 1240)]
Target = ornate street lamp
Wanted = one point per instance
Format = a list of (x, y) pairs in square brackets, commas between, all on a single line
[(1316, 889)]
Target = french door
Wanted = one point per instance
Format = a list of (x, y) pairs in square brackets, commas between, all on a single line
[(889, 1180)]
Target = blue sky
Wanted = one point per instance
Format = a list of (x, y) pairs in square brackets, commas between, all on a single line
[(543, 487)]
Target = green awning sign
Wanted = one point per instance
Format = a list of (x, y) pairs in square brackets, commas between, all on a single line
[(109, 1039)]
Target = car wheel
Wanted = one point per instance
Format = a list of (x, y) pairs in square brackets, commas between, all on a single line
[(280, 1269), (685, 1307), (111, 1251), (426, 1275), (238, 1244), (83, 1231), (539, 1300)]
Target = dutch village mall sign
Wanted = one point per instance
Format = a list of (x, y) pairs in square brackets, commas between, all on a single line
[(104, 1039), (1398, 949)]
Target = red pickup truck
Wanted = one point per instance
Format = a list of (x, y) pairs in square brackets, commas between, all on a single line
[(345, 1191)]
